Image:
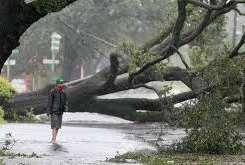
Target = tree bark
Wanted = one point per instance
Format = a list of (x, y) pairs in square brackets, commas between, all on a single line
[(82, 93)]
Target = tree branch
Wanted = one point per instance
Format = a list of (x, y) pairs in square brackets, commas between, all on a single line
[(163, 35), (181, 58), (165, 49), (114, 70), (207, 6), (239, 12), (241, 53), (146, 66), (179, 24), (235, 51)]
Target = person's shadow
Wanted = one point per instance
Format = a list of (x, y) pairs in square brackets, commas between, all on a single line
[(58, 147)]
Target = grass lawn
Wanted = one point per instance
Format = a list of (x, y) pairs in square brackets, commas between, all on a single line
[(166, 158)]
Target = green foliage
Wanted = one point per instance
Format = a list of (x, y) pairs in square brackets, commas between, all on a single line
[(210, 42), (168, 158), (165, 90), (6, 90), (213, 141), (1, 115), (199, 58), (213, 36), (210, 129), (224, 72), (22, 116), (139, 58), (48, 6)]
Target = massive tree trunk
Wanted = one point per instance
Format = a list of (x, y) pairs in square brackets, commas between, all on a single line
[(82, 94)]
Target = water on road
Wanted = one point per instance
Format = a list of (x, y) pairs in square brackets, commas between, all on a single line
[(78, 144)]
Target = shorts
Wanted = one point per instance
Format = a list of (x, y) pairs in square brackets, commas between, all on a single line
[(56, 121)]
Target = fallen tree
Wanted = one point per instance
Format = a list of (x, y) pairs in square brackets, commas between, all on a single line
[(82, 93)]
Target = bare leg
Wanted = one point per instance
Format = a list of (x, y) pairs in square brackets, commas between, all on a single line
[(54, 135)]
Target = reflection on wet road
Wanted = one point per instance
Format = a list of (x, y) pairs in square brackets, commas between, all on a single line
[(77, 144), (85, 138)]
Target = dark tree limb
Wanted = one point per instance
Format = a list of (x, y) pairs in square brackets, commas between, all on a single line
[(181, 58), (179, 24), (235, 51), (146, 66), (241, 53), (239, 12), (157, 40), (207, 6)]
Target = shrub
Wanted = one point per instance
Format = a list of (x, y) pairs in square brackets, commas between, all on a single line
[(1, 115), (23, 116), (6, 90), (210, 129)]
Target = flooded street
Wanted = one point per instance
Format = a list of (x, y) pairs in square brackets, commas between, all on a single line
[(79, 144), (80, 141)]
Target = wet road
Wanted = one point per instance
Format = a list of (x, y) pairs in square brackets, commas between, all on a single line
[(85, 138), (78, 144)]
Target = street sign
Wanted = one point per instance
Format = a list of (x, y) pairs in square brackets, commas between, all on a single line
[(49, 61), (10, 62), (55, 47)]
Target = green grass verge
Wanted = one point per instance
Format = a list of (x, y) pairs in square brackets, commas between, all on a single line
[(166, 158)]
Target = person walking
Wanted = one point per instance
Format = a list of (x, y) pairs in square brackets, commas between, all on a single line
[(57, 104)]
